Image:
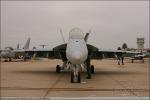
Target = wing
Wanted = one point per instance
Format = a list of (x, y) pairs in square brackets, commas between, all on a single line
[(100, 54), (57, 52)]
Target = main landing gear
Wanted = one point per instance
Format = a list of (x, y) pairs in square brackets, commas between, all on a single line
[(9, 59), (92, 69), (58, 69)]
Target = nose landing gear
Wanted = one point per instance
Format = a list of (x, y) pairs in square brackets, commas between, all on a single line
[(75, 78), (75, 74)]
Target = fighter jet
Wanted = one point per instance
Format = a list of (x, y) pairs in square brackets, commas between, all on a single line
[(10, 53), (76, 54)]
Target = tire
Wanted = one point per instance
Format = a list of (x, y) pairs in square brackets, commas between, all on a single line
[(79, 77), (24, 59), (5, 60), (92, 69), (10, 59), (58, 69), (132, 61), (72, 76)]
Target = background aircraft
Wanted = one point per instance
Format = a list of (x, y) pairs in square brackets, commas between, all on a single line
[(75, 54), (140, 57), (9, 53)]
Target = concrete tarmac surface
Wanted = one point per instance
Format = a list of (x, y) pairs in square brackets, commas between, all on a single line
[(39, 79)]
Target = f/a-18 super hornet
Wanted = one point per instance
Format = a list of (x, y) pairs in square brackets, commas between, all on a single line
[(75, 54), (10, 53)]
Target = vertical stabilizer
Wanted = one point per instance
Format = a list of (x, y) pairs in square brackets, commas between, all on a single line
[(86, 37), (62, 35), (18, 46), (26, 46)]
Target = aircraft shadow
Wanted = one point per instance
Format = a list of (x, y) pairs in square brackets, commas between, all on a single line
[(53, 72), (43, 72), (116, 72), (13, 61)]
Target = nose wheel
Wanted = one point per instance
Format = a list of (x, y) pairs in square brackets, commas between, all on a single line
[(75, 78)]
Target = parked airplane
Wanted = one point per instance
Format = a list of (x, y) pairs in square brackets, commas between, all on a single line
[(140, 57), (9, 53), (75, 54)]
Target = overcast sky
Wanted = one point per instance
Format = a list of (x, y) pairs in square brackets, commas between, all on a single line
[(112, 22)]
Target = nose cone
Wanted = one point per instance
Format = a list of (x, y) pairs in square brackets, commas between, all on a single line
[(77, 58)]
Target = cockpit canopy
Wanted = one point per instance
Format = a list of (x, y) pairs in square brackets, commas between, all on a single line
[(76, 33)]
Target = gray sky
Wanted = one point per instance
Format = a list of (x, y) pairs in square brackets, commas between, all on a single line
[(112, 22)]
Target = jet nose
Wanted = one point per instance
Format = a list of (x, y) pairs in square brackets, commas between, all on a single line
[(77, 57)]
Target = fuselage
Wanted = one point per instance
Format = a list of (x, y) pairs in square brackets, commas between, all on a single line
[(9, 53), (76, 50)]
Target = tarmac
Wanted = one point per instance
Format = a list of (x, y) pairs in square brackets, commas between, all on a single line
[(39, 79)]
